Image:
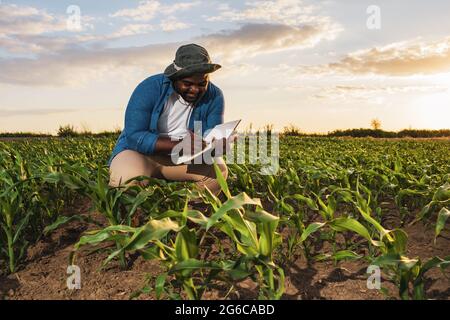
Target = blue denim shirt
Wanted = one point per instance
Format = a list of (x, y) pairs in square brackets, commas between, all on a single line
[(145, 106)]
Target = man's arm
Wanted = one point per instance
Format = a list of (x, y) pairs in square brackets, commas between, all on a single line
[(215, 114), (138, 115), (164, 145), (215, 117)]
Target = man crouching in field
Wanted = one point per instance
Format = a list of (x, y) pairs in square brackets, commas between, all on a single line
[(161, 113)]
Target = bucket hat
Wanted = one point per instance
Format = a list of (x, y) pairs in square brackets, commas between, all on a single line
[(190, 59)]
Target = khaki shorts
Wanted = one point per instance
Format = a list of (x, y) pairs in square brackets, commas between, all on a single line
[(129, 164)]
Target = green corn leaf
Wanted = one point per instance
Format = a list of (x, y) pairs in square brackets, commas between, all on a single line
[(350, 224), (142, 196), (331, 207), (338, 256), (159, 284), (194, 264), (346, 254), (400, 239), (268, 239), (442, 218), (192, 215), (235, 202), (313, 227), (442, 193), (260, 216), (425, 211), (97, 236), (346, 195), (21, 227), (186, 246), (435, 262), (150, 253), (394, 259), (309, 202), (152, 230), (221, 180), (62, 220), (246, 229)]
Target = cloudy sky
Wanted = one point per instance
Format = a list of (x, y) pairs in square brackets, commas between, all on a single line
[(319, 65)]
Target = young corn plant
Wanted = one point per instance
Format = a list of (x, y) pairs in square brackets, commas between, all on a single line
[(110, 202), (441, 202), (185, 275), (15, 216), (406, 273), (129, 239), (254, 234), (295, 217), (331, 226), (189, 270), (22, 214), (409, 274)]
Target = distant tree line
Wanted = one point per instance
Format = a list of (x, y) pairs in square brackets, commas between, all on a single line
[(63, 131), (291, 130), (70, 131), (378, 133), (24, 135)]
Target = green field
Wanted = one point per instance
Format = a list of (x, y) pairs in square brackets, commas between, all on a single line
[(334, 201)]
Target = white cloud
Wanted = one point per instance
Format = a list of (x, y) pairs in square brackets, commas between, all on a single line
[(132, 29), (25, 29), (180, 6), (82, 64), (25, 20), (43, 43), (147, 10), (290, 12), (74, 67), (365, 92), (284, 24), (253, 39), (407, 58), (172, 24)]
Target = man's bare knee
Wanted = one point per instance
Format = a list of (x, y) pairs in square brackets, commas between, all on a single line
[(128, 165)]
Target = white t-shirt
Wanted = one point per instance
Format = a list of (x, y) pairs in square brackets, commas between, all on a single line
[(174, 119)]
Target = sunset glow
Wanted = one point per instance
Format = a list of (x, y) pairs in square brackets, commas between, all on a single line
[(319, 65)]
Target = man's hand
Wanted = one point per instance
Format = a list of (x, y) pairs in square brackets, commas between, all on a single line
[(193, 142), (165, 145)]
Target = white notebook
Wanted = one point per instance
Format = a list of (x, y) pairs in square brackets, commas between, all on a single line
[(223, 130)]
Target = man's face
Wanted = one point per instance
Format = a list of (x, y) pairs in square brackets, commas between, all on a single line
[(193, 87)]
